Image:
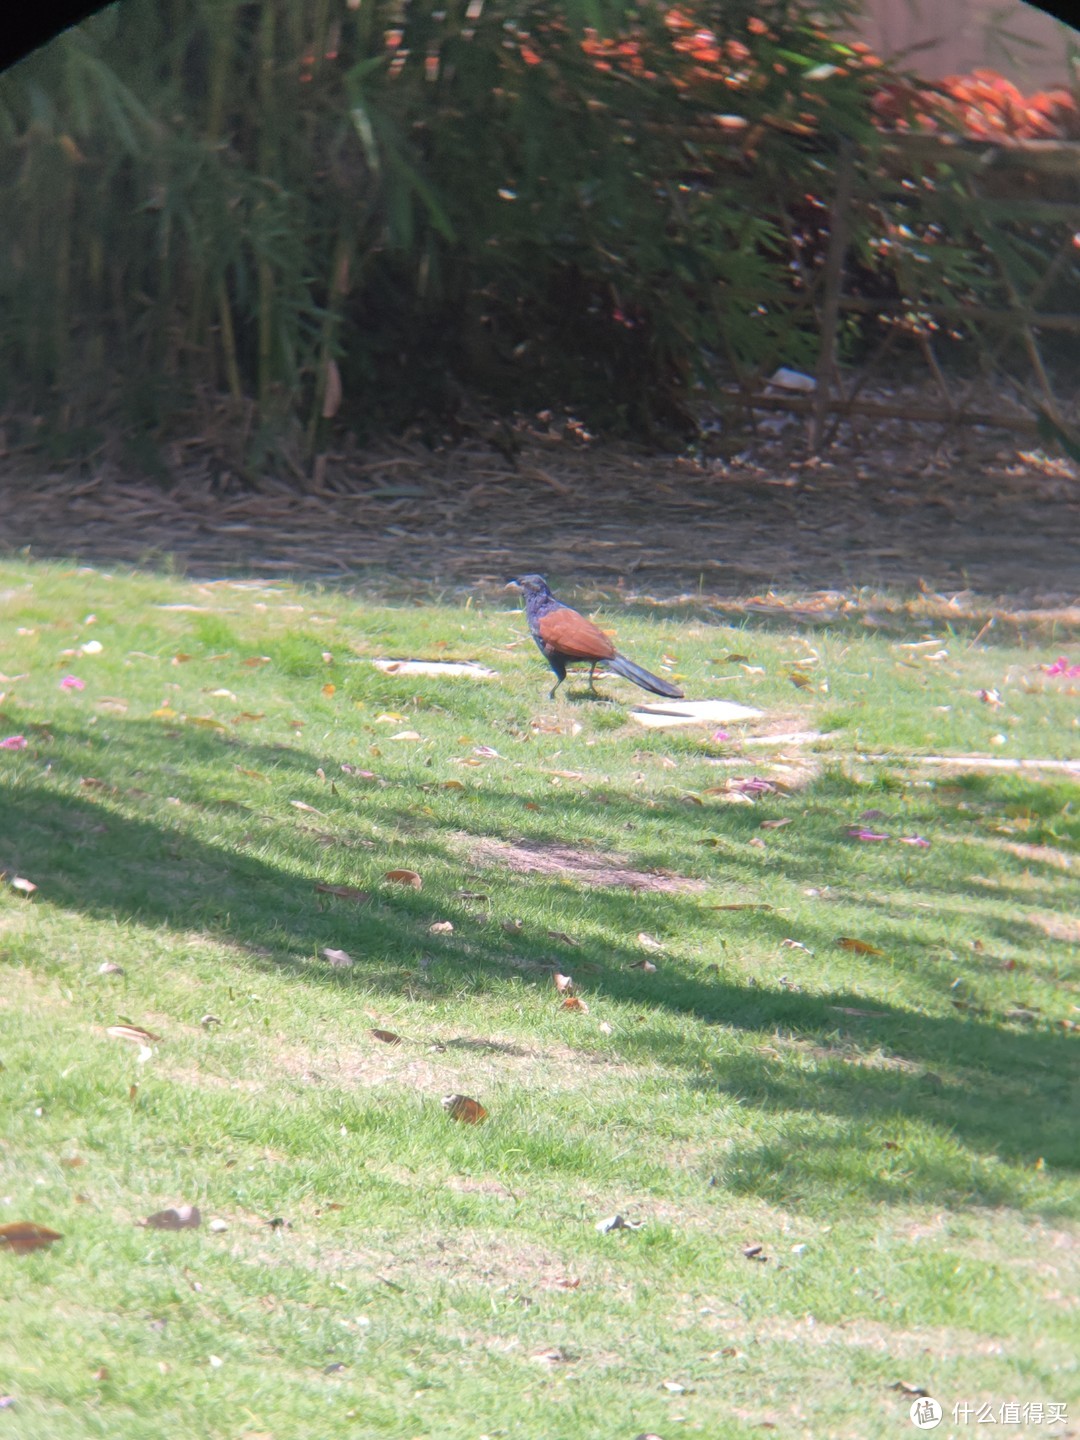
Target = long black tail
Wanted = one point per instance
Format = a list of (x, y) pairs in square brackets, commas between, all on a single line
[(629, 671)]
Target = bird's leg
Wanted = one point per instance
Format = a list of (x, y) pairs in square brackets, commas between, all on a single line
[(559, 666), (592, 672), (556, 686)]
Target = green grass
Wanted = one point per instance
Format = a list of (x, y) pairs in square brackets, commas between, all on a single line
[(897, 1130)]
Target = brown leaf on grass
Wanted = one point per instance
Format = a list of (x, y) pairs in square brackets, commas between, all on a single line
[(513, 927), (181, 658), (464, 1108), (176, 1217), (568, 1284), (799, 679), (88, 782), (247, 715), (441, 927), (859, 1014), (253, 661), (574, 1002), (476, 895), (22, 1236), (133, 1033), (453, 785), (405, 877), (858, 947), (552, 1356), (27, 887), (563, 983), (72, 1162), (345, 892), (339, 959), (206, 722), (650, 942), (562, 937), (738, 907), (251, 774), (646, 965), (305, 807), (776, 824), (388, 1037)]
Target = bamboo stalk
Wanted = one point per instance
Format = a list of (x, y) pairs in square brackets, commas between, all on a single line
[(834, 283)]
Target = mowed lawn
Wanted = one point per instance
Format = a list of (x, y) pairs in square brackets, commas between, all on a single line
[(798, 1007)]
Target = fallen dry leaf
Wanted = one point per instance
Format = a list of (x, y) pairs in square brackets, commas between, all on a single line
[(441, 927), (329, 690), (646, 965), (738, 907), (776, 824), (388, 1038), (109, 967), (345, 892), (562, 937), (339, 959), (303, 805), (405, 877), (563, 983), (453, 784), (858, 947), (255, 660), (554, 1356), (464, 1108), (176, 1217), (22, 1236), (134, 1034), (251, 774), (574, 1002), (650, 942)]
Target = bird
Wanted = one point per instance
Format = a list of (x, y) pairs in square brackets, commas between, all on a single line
[(563, 635)]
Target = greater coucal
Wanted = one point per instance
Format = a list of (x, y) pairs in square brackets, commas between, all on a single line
[(564, 635)]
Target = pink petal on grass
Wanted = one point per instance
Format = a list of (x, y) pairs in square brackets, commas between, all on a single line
[(14, 742), (72, 682), (718, 735), (1061, 666), (857, 833), (915, 840), (753, 785)]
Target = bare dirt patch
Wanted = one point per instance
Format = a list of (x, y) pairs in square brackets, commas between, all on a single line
[(892, 508), (437, 1065), (534, 857)]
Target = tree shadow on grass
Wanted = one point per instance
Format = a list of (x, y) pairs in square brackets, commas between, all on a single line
[(1002, 1092)]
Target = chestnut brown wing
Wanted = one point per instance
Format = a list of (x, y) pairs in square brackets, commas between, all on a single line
[(565, 632)]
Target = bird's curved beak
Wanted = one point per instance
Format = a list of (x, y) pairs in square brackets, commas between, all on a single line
[(512, 585)]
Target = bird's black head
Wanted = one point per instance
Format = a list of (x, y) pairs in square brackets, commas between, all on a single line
[(531, 584)]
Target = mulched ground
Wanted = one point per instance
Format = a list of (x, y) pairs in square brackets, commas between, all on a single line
[(895, 509)]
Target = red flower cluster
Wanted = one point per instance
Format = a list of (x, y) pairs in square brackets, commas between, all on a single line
[(982, 105)]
